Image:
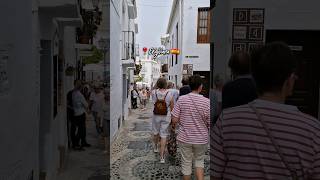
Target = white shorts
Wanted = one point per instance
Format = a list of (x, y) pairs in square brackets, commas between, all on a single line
[(160, 125)]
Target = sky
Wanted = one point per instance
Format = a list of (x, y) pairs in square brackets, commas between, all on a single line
[(153, 18)]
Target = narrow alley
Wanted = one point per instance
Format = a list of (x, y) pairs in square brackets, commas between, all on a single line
[(132, 154)]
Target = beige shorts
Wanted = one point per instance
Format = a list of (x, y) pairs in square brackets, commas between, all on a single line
[(190, 152)]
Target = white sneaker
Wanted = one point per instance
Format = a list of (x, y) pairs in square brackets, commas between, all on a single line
[(162, 161), (155, 148)]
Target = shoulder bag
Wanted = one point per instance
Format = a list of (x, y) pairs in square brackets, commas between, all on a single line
[(293, 172)]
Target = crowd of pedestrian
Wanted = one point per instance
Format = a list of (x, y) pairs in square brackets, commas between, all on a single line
[(86, 99), (253, 134)]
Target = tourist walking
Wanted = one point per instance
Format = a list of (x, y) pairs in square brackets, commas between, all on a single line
[(192, 113), (96, 107), (134, 98), (242, 89), (148, 94), (185, 89), (267, 139), (78, 124), (174, 92), (163, 105), (216, 99), (144, 97)]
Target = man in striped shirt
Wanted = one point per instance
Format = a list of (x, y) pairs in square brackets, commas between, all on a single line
[(192, 112), (267, 139)]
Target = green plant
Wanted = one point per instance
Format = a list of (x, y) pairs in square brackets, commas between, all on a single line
[(139, 79), (90, 27), (96, 57), (138, 69)]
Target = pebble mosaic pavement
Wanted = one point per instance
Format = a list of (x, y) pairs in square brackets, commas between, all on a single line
[(132, 156)]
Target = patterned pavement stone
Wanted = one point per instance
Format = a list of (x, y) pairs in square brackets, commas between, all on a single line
[(91, 164), (132, 156)]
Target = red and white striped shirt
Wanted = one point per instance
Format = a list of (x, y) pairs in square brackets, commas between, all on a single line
[(242, 149), (194, 119)]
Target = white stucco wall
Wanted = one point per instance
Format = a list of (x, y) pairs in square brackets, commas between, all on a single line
[(176, 69), (115, 67), (19, 108), (188, 40), (190, 45)]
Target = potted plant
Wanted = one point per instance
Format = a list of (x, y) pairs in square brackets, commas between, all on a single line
[(96, 57), (70, 71), (138, 69), (89, 28)]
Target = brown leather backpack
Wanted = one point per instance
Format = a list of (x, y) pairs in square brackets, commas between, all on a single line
[(160, 106)]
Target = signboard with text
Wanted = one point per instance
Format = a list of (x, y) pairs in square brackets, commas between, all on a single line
[(248, 29)]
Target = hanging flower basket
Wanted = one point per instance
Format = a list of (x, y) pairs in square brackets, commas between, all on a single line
[(70, 71)]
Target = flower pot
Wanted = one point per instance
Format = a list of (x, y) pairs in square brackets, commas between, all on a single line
[(84, 39)]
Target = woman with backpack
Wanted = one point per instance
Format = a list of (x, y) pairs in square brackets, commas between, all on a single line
[(163, 105)]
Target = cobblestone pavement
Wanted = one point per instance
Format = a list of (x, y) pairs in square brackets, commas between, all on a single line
[(132, 156), (90, 164)]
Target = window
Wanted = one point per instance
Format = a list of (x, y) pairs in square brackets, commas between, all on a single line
[(203, 25)]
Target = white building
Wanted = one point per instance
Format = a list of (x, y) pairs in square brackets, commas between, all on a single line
[(123, 31), (185, 34), (243, 24), (150, 71)]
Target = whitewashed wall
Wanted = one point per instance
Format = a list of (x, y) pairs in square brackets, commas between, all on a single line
[(19, 108), (115, 67), (190, 46), (188, 39), (176, 69)]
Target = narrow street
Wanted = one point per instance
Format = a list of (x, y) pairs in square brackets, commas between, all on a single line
[(132, 156), (90, 164)]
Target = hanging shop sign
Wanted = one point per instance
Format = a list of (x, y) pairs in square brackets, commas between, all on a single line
[(156, 52)]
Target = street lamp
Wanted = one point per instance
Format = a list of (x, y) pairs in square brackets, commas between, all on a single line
[(104, 46)]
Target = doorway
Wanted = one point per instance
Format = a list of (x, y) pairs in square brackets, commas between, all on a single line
[(305, 46)]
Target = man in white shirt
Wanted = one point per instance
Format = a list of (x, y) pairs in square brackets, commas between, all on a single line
[(80, 107)]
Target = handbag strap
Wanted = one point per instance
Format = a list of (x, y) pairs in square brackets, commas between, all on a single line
[(275, 144), (203, 119)]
